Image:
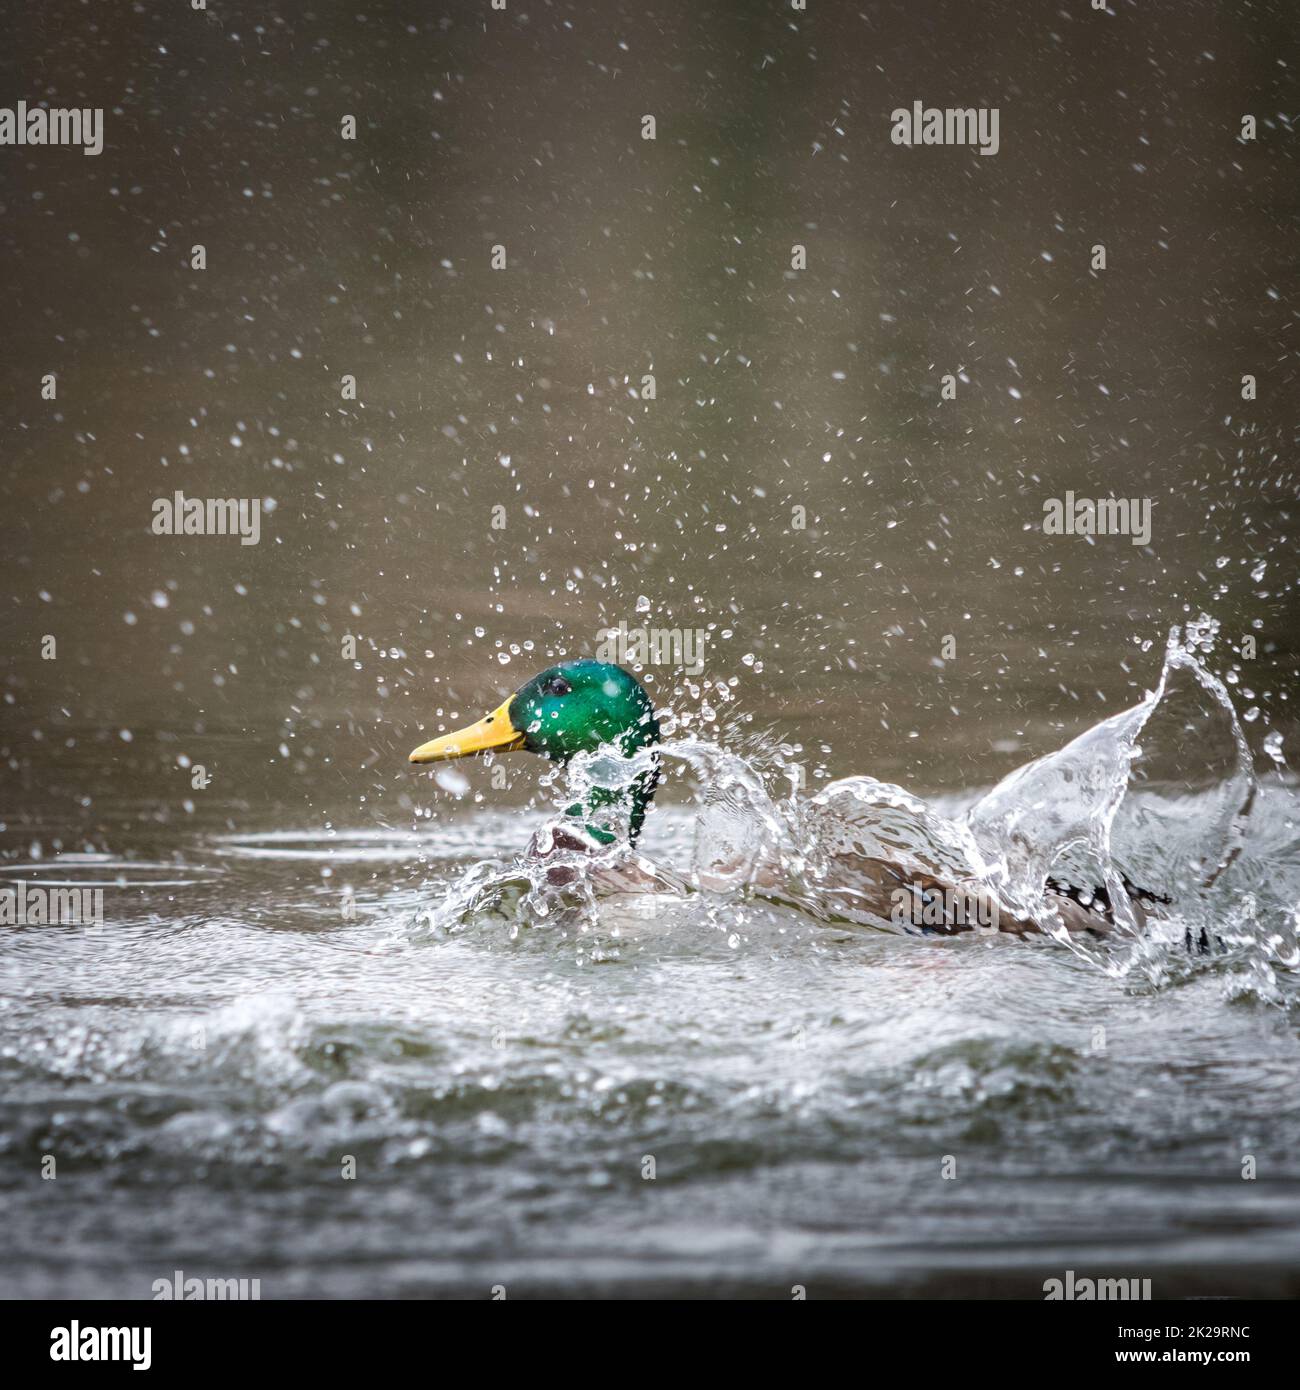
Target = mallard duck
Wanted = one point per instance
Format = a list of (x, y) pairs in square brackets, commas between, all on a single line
[(585, 706)]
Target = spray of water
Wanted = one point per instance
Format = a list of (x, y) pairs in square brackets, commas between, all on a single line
[(1161, 797)]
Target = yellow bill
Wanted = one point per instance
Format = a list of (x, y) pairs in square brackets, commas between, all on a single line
[(492, 733)]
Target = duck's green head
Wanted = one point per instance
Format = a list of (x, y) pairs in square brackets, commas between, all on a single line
[(573, 708)]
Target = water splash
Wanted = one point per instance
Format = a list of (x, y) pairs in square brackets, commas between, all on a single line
[(1162, 797)]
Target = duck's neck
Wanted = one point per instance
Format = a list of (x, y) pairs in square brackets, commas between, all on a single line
[(608, 813)]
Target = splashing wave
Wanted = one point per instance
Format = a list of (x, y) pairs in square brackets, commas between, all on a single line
[(1161, 798)]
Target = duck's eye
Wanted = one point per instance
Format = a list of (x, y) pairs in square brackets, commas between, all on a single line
[(557, 685)]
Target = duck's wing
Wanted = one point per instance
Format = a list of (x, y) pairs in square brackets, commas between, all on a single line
[(877, 854)]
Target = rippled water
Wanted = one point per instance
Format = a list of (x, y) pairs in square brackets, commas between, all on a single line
[(260, 1007)]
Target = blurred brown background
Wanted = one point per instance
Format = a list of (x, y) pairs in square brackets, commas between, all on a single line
[(774, 388)]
